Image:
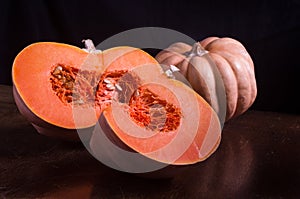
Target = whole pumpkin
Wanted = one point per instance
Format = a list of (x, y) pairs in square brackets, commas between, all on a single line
[(205, 60)]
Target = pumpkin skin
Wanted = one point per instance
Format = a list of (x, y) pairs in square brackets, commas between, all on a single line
[(234, 65), (35, 80), (196, 136)]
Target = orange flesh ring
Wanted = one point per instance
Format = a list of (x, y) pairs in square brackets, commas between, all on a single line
[(156, 145), (209, 129), (31, 74)]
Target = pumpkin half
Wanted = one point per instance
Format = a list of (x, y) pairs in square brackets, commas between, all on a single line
[(160, 118), (235, 66), (60, 88)]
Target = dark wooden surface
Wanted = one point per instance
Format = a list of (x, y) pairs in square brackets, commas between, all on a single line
[(259, 157)]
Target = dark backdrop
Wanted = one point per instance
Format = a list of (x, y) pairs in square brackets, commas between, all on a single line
[(269, 30)]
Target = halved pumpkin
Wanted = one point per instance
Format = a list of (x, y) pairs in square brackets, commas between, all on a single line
[(160, 118), (60, 88)]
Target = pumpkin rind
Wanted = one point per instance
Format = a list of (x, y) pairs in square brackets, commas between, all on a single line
[(233, 63)]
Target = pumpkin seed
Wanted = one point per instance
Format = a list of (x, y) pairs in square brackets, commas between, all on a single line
[(110, 86), (118, 87), (107, 81), (63, 79)]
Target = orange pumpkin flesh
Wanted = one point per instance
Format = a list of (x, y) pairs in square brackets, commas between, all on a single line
[(60, 88), (162, 119)]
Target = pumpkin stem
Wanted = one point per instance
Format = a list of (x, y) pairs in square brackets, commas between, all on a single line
[(197, 50), (90, 47)]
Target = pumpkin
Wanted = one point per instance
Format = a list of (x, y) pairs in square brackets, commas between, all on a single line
[(61, 88), (204, 62), (160, 118)]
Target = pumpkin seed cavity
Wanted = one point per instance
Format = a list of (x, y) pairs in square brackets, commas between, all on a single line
[(144, 107), (149, 111), (85, 88), (107, 85), (89, 88), (74, 86)]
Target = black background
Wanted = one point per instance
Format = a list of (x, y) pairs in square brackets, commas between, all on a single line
[(269, 30)]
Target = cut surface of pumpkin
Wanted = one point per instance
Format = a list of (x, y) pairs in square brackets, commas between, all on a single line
[(66, 86), (162, 119), (61, 87), (44, 76)]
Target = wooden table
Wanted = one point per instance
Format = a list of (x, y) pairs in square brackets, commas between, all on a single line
[(259, 157)]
